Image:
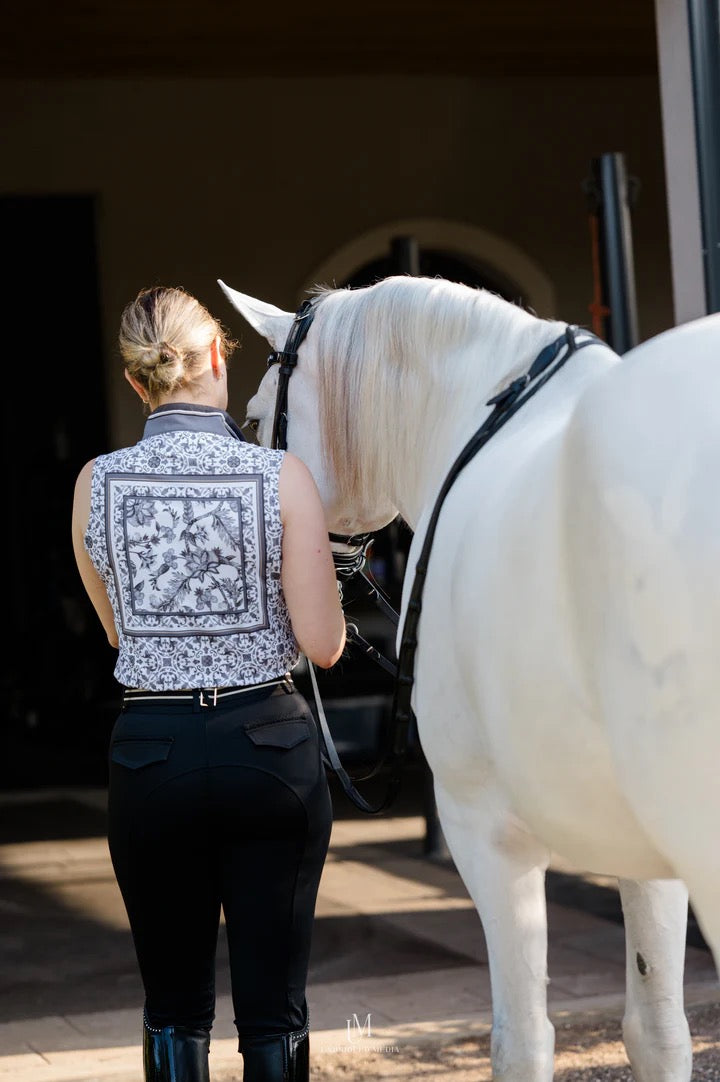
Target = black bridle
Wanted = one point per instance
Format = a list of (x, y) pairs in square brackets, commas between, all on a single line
[(351, 561), (354, 560), (287, 358)]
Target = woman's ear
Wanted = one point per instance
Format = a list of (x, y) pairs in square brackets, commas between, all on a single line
[(217, 361), (137, 387)]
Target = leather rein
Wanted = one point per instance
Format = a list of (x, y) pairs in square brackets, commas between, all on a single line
[(354, 561)]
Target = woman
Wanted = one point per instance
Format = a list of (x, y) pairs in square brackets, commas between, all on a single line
[(208, 562)]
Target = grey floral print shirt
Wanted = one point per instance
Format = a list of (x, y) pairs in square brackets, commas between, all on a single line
[(186, 535)]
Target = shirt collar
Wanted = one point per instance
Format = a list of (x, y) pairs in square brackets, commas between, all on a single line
[(191, 417)]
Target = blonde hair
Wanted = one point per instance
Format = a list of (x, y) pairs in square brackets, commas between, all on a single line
[(164, 333)]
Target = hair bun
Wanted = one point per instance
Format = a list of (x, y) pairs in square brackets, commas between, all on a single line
[(165, 335), (167, 354)]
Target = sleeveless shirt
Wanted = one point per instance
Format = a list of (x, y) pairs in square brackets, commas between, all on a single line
[(185, 533)]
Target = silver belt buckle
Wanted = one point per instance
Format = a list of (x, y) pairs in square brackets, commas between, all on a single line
[(213, 700), (287, 684)]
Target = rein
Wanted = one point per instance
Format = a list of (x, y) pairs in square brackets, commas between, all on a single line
[(549, 361), (506, 404)]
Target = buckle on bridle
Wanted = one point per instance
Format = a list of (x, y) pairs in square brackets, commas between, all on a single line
[(348, 563), (287, 361), (213, 701)]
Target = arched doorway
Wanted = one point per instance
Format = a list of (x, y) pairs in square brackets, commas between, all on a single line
[(497, 262)]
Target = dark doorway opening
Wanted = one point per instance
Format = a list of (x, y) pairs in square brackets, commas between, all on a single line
[(56, 674), (433, 263)]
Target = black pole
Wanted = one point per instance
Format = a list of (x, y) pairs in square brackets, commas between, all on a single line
[(405, 254), (704, 28), (612, 191)]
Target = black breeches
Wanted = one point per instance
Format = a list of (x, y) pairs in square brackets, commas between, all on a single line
[(224, 806)]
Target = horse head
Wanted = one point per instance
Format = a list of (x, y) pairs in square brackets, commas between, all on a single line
[(310, 424), (391, 381)]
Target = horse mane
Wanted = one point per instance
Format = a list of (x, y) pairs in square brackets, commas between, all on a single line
[(403, 347)]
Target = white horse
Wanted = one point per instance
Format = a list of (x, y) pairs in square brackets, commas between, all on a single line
[(568, 671)]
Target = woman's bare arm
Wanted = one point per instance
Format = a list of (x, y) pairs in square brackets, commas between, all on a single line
[(91, 580), (308, 573)]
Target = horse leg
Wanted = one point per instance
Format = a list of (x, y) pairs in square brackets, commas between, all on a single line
[(705, 899), (692, 851), (503, 868), (655, 1028)]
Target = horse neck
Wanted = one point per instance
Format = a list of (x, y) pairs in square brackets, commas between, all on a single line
[(451, 408)]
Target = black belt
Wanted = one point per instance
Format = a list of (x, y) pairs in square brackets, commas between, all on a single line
[(208, 696)]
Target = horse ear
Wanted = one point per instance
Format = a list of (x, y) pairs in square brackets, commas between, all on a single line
[(271, 322)]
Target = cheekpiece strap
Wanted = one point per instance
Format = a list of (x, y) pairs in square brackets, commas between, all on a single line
[(287, 359)]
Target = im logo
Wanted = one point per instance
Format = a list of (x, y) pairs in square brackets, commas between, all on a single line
[(356, 1029)]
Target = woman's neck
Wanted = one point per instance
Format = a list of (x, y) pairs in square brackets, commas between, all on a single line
[(214, 398)]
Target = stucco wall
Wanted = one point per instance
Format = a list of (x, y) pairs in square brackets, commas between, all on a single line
[(258, 182)]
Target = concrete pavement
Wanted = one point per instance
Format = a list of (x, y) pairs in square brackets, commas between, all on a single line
[(398, 954)]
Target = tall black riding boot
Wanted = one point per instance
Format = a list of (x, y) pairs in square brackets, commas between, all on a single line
[(175, 1054), (277, 1057)]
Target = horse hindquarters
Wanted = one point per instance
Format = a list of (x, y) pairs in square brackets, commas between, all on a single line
[(644, 553)]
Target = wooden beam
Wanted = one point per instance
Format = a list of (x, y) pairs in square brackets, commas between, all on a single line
[(681, 172), (181, 38)]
